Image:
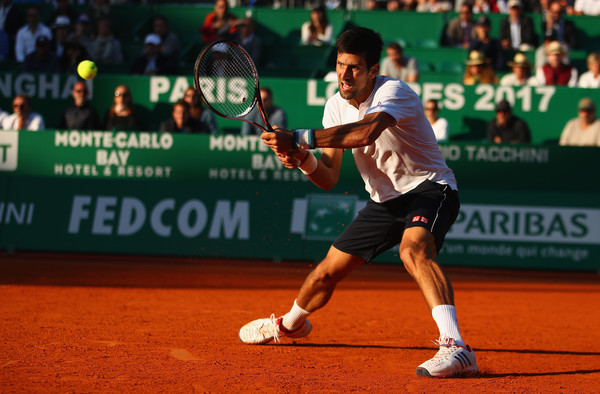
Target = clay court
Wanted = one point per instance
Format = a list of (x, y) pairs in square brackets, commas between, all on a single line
[(73, 323)]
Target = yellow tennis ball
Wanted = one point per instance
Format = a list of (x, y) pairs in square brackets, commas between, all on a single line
[(87, 69)]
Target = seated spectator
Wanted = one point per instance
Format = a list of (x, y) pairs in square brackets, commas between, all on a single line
[(152, 62), (219, 24), (97, 11), (410, 5), (82, 32), (591, 78), (43, 59), (276, 115), (73, 54), (121, 116), (63, 8), (478, 70), (60, 30), (23, 117), (583, 130), (517, 31), (555, 24), (483, 42), (181, 121), (393, 5), (485, 7), (25, 41), (506, 128), (198, 112), (11, 21), (396, 65), (587, 7), (540, 52), (460, 30), (318, 31), (439, 125), (433, 6), (106, 49), (170, 46), (248, 40), (80, 115), (373, 5), (521, 72), (555, 71)]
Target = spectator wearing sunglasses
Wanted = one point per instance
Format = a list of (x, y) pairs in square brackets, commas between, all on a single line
[(121, 116), (80, 115), (23, 117)]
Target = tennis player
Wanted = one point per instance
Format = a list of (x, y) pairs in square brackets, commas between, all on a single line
[(414, 198)]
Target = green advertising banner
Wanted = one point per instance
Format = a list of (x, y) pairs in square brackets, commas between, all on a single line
[(546, 109), (523, 206)]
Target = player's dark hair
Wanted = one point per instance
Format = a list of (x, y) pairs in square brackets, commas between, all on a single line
[(361, 41)]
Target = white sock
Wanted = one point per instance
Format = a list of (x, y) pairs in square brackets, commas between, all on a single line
[(294, 318), (445, 318)]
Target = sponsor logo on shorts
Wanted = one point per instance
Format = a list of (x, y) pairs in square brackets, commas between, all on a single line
[(420, 219)]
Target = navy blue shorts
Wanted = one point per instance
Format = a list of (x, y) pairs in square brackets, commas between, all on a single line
[(380, 226)]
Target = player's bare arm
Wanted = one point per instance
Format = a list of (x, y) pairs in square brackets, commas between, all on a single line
[(347, 136)]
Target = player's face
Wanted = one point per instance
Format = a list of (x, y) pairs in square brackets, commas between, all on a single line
[(355, 80)]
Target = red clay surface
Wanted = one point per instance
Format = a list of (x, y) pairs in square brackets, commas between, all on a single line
[(114, 324)]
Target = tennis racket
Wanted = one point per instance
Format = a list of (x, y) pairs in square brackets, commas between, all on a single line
[(227, 81)]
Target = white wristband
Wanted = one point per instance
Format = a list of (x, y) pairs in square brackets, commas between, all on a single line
[(310, 164)]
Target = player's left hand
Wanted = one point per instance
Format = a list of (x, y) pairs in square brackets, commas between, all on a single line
[(280, 140)]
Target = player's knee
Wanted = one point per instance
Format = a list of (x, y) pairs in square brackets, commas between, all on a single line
[(322, 278)]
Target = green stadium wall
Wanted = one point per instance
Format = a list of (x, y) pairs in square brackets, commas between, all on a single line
[(226, 196)]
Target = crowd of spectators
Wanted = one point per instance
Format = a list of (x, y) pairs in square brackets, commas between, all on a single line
[(68, 36)]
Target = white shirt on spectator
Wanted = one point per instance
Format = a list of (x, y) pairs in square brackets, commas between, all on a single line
[(34, 122), (440, 129), (25, 41), (587, 80), (588, 7)]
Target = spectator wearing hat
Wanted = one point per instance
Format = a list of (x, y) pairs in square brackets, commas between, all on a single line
[(43, 59), (152, 62), (23, 117), (170, 46), (483, 42), (106, 49), (591, 78), (555, 24), (583, 130), (398, 66), (460, 30), (521, 72), (506, 128), (82, 32), (555, 71), (516, 30), (63, 8), (25, 42), (478, 70), (60, 28)]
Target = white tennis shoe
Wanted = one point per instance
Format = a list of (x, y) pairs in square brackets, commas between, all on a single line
[(450, 360), (265, 330)]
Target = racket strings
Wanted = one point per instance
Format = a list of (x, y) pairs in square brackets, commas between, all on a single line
[(227, 79)]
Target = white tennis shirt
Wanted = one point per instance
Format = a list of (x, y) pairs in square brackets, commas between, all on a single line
[(404, 155)]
